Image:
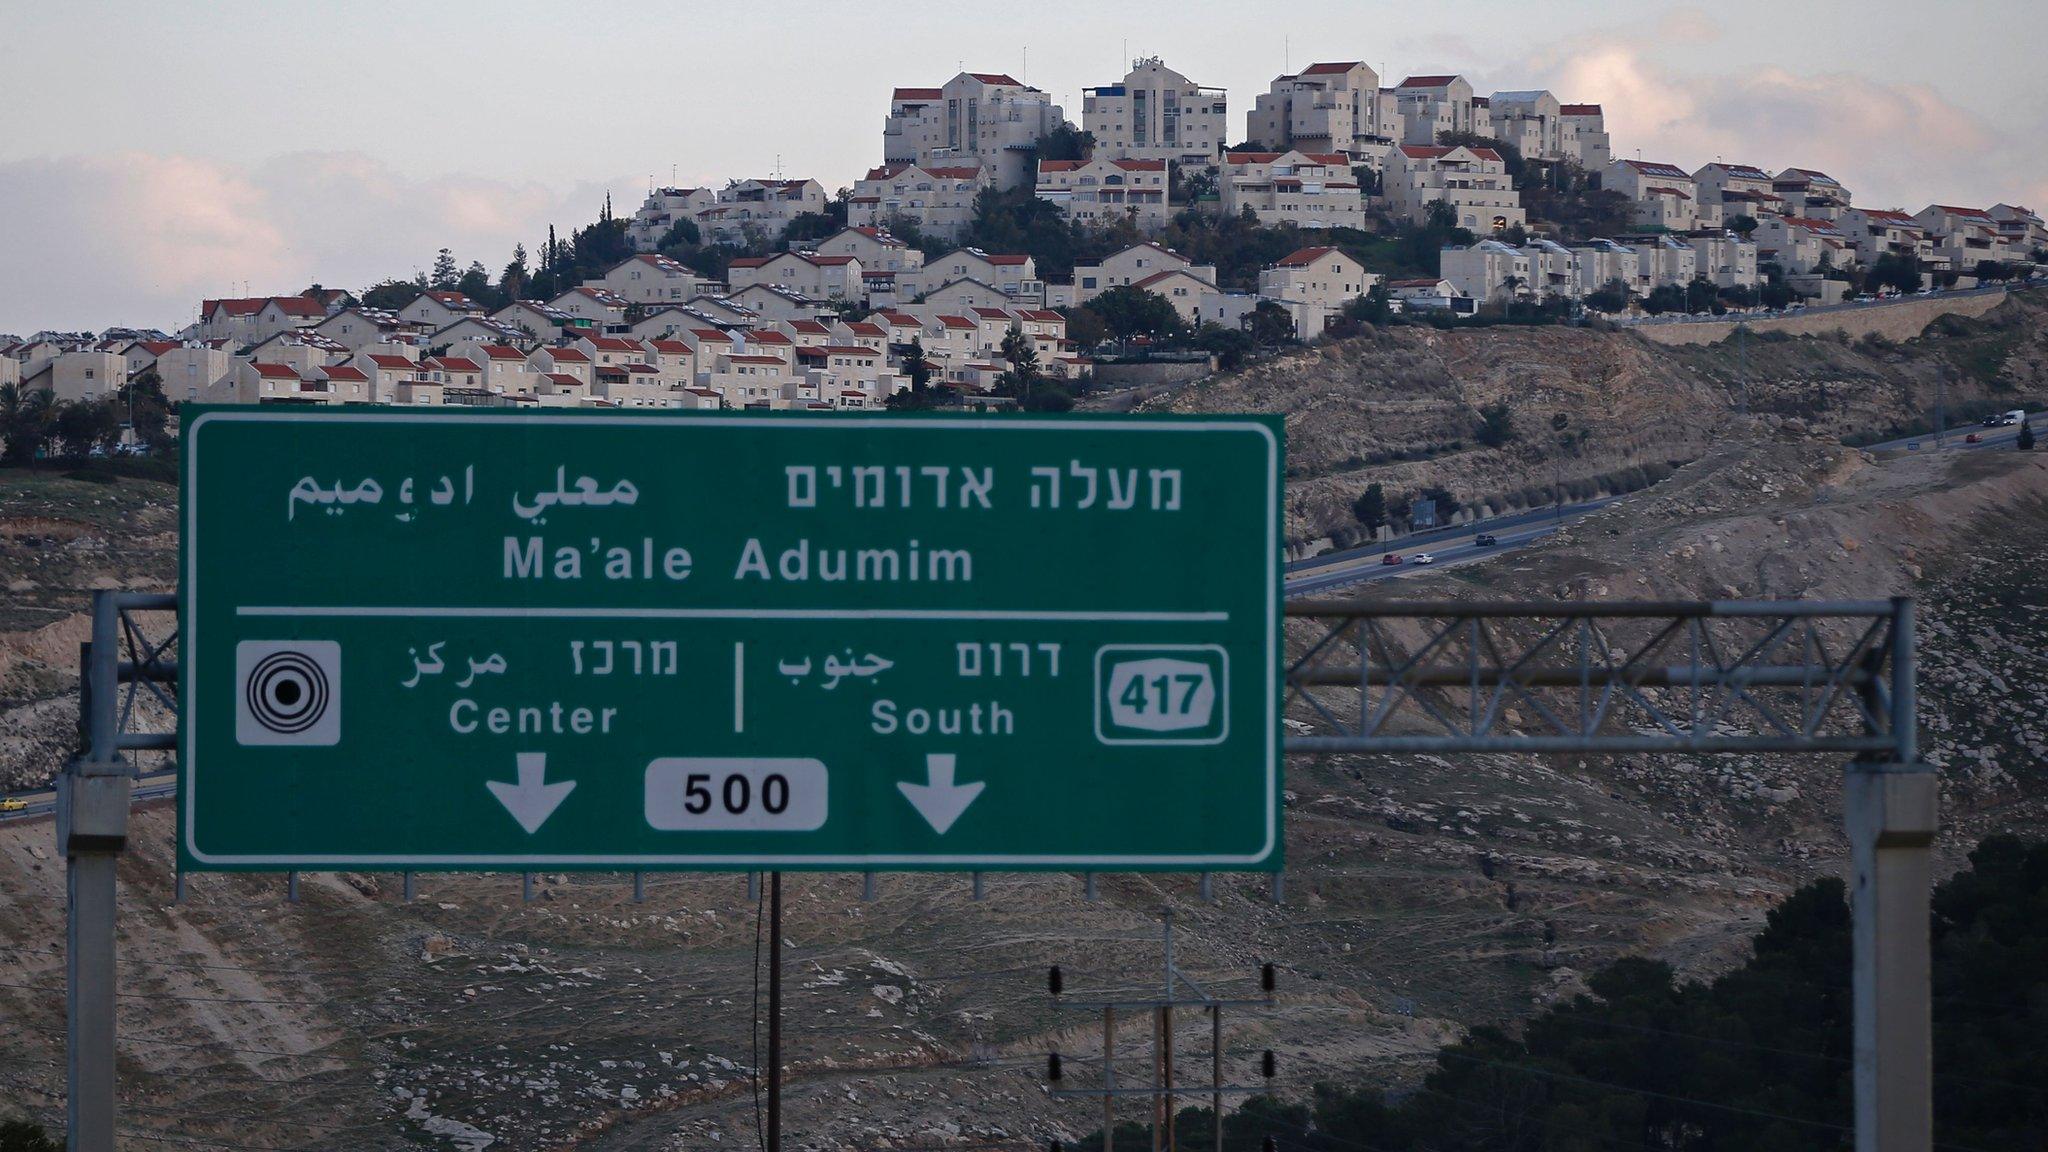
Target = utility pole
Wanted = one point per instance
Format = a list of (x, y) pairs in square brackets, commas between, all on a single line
[(775, 1012)]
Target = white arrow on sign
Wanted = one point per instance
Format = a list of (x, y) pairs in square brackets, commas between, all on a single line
[(532, 800), (941, 801)]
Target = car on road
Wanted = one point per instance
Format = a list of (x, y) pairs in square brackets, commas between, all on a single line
[(1485, 540), (1391, 559), (1992, 421), (1423, 558), (10, 804), (1973, 438)]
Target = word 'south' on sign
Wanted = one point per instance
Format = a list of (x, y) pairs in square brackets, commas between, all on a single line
[(506, 640)]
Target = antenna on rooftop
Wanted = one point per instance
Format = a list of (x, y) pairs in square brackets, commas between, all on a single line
[(1026, 77), (1287, 53)]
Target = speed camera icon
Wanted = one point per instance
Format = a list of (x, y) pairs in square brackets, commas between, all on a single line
[(288, 692)]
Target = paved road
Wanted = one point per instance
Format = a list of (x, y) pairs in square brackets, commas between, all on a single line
[(1952, 440), (154, 786)]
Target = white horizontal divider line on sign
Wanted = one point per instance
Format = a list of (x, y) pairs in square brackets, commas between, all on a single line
[(462, 611)]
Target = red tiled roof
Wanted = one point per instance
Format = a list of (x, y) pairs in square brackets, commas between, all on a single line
[(157, 347), (398, 363), (916, 94), (1970, 212), (1434, 152), (957, 322), (755, 359), (1303, 257), (1043, 315), (671, 347), (1579, 110), (866, 329), (1329, 68), (275, 371), (570, 355), (1667, 192), (451, 299), (459, 364), (1252, 157), (1427, 81), (613, 344), (564, 378), (1059, 165), (345, 372), (991, 313), (749, 262), (711, 334), (767, 336), (994, 78), (1001, 258), (1657, 168), (501, 352)]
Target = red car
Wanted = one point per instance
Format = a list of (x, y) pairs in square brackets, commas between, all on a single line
[(1973, 438), (1391, 558)]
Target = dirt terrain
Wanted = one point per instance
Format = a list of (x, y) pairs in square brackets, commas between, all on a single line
[(1422, 894)]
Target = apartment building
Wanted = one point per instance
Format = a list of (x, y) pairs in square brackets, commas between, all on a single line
[(977, 119), (386, 376), (1604, 262), (1583, 136), (1799, 245), (650, 279), (1474, 181), (1155, 114), (1433, 105), (1488, 270), (1308, 189), (1739, 190), (1662, 258), (1101, 192), (1810, 194), (938, 200), (1132, 266), (1961, 237), (85, 374), (808, 274), (753, 211), (358, 328), (562, 361), (504, 369), (595, 306), (1880, 232), (1727, 260), (190, 370), (771, 302), (2021, 228), (1664, 195), (1337, 106), (1531, 121), (662, 208), (544, 323)]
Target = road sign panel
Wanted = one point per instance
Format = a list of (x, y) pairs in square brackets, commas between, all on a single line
[(487, 639)]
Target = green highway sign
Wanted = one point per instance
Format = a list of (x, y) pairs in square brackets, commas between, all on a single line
[(496, 640)]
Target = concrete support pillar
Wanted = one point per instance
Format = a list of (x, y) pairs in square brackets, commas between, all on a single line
[(1891, 814)]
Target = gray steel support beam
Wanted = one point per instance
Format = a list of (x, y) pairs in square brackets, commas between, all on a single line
[(93, 794), (1891, 818)]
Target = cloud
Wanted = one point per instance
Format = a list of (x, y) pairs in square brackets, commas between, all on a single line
[(1894, 145), (139, 238)]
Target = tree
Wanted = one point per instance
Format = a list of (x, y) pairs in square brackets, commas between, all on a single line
[(25, 418), (444, 275), (1664, 298), (512, 281), (148, 412), (812, 226), (2025, 443), (22, 1136), (1230, 346), (681, 234), (1270, 324), (1085, 326), (79, 426), (1440, 214), (1065, 142), (1610, 297), (1496, 424), (1127, 310), (476, 284), (1989, 270), (390, 295), (1370, 509), (1742, 225), (1701, 296)]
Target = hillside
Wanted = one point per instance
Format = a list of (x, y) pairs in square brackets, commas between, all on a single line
[(1423, 894)]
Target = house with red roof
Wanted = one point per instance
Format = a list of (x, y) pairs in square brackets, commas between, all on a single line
[(1334, 106), (1811, 193), (1103, 192), (1877, 232), (562, 360), (386, 373), (1013, 277), (1583, 135), (658, 214), (811, 274), (1133, 264), (877, 249), (651, 278), (1730, 190), (938, 198), (977, 119), (598, 306), (1307, 189), (1320, 279), (1473, 181), (1803, 245), (772, 302), (1962, 237), (249, 319), (1433, 105), (758, 210), (438, 308), (1662, 195)]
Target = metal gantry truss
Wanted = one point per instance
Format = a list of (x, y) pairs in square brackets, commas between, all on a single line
[(1607, 677)]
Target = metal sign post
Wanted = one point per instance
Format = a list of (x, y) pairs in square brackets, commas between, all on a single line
[(1784, 676), (507, 641)]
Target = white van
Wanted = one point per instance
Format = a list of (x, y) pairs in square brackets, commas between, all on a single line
[(2014, 417)]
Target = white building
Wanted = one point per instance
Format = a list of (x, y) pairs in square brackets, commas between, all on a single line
[(1102, 192), (651, 279), (1433, 105), (1474, 181), (1583, 136), (1155, 114), (1662, 195), (663, 207), (1739, 190), (938, 200), (976, 119), (1336, 106), (1308, 189), (1321, 280)]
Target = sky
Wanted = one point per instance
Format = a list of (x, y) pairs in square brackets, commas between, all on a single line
[(154, 152)]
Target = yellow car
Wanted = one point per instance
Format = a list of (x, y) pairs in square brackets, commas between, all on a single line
[(10, 804)]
